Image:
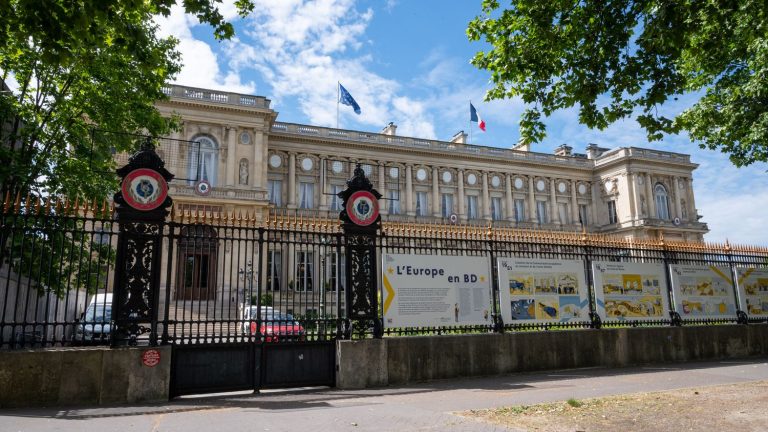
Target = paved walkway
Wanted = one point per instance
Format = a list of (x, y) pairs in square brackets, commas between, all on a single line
[(423, 407)]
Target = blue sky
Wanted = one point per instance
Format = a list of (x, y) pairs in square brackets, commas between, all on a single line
[(407, 61)]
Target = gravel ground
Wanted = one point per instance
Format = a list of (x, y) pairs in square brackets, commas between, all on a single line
[(742, 407)]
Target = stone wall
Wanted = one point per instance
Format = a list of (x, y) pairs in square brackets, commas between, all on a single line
[(395, 361), (86, 376)]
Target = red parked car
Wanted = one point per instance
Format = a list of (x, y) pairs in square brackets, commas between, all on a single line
[(276, 326)]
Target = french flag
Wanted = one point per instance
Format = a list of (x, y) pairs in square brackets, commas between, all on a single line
[(475, 117)]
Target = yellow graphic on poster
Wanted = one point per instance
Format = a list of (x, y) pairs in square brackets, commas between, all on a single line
[(703, 292), (630, 291), (542, 290), (753, 290)]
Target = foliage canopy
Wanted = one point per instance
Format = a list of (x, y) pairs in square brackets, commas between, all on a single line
[(616, 59)]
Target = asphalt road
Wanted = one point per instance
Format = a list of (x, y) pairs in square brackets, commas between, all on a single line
[(423, 407)]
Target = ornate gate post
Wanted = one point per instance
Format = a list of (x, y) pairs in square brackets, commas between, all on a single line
[(142, 205), (361, 222)]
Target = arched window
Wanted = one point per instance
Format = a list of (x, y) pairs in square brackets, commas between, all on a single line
[(203, 160), (662, 201)]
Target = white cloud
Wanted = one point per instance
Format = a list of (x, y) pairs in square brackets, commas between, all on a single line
[(200, 63)]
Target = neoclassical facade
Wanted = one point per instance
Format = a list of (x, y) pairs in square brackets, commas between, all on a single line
[(254, 163)]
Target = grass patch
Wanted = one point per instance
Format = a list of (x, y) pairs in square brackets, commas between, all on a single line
[(574, 403)]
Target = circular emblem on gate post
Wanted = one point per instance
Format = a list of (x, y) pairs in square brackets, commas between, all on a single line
[(144, 189), (363, 208), (150, 358)]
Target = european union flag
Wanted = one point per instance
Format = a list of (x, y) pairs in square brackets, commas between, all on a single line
[(346, 99)]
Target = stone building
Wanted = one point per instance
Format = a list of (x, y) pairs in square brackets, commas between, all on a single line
[(247, 161)]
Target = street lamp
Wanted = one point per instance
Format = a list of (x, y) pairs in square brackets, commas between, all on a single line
[(246, 275)]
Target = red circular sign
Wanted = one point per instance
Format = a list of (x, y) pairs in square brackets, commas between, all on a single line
[(144, 189), (362, 208), (151, 358)]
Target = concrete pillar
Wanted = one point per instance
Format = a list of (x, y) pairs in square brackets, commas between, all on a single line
[(409, 190), (292, 181), (510, 199), (231, 155), (383, 209), (555, 218), (486, 214), (460, 199), (531, 200), (435, 192)]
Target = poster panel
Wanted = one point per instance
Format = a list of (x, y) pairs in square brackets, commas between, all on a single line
[(703, 292), (630, 291), (753, 290), (430, 290), (542, 290)]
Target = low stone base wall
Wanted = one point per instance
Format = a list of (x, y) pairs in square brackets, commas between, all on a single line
[(402, 360), (87, 376)]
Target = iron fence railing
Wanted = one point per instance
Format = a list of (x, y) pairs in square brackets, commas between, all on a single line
[(229, 278)]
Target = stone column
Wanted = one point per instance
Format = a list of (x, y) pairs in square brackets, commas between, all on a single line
[(691, 203), (324, 185), (460, 199), (531, 201), (292, 181), (676, 183), (510, 199), (409, 190), (553, 196), (383, 209), (435, 192), (574, 204), (634, 197), (486, 198), (649, 199), (231, 155), (259, 170)]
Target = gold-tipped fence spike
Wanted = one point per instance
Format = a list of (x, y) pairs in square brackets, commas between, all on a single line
[(38, 204), (17, 203), (7, 202), (48, 204)]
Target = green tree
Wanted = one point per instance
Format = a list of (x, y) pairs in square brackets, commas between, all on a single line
[(617, 59), (81, 64)]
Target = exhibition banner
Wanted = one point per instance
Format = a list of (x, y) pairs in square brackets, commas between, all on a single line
[(630, 291), (541, 290), (703, 292), (429, 290), (753, 290)]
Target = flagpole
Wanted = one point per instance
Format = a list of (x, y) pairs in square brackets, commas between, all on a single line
[(470, 121), (337, 104)]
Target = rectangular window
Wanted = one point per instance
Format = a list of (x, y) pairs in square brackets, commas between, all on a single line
[(520, 210), (496, 212), (471, 207), (583, 215), (306, 195), (336, 272), (421, 204), (612, 216), (562, 212), (335, 199), (274, 270), (394, 202), (541, 212), (447, 205), (304, 271), (275, 191)]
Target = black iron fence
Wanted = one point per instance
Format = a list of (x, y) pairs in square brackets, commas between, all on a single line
[(227, 278)]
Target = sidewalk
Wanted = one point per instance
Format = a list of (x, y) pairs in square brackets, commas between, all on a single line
[(428, 406)]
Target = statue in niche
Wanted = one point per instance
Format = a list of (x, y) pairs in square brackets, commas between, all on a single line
[(642, 206), (243, 171), (684, 209)]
